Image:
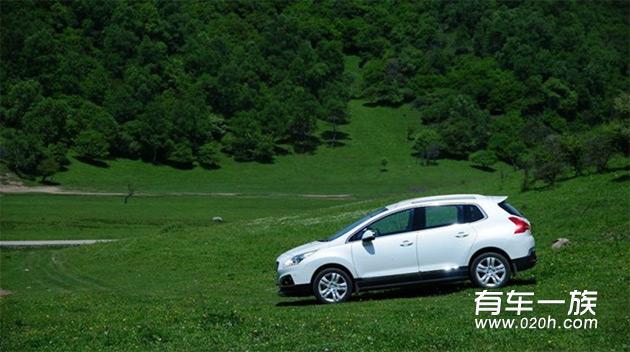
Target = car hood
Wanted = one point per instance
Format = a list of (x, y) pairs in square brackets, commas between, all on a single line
[(302, 249)]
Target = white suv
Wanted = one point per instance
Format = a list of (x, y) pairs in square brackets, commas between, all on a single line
[(431, 239)]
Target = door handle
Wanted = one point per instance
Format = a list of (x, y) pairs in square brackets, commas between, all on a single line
[(406, 243), (461, 235)]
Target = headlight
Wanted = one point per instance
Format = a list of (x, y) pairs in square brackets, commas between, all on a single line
[(298, 258)]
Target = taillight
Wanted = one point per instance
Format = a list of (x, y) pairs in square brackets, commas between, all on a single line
[(521, 225)]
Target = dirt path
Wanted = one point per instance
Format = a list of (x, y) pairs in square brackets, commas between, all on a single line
[(17, 188), (52, 243)]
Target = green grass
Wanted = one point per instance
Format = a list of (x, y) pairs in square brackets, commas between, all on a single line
[(39, 217), (354, 71), (213, 287), (176, 281)]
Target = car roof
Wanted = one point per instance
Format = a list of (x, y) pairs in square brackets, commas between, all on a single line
[(448, 198)]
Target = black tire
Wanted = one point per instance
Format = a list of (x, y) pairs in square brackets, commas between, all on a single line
[(494, 262), (329, 291)]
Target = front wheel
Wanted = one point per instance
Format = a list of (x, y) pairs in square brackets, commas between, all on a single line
[(490, 270), (332, 286)]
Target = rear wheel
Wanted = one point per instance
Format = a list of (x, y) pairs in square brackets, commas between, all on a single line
[(332, 285), (490, 270)]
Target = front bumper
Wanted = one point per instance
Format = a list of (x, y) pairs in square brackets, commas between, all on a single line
[(286, 287), (526, 262), (295, 291)]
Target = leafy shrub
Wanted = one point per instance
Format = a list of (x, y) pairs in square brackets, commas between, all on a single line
[(483, 158), (427, 144), (548, 160)]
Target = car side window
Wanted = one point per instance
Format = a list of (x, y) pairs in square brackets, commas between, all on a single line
[(442, 215), (472, 213), (392, 224)]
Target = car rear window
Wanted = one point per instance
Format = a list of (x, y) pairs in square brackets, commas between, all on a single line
[(443, 215), (510, 209)]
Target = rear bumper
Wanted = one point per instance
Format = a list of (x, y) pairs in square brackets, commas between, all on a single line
[(526, 262)]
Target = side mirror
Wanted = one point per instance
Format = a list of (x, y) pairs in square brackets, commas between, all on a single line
[(368, 235)]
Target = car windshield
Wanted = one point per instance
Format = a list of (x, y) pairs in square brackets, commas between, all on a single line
[(354, 224)]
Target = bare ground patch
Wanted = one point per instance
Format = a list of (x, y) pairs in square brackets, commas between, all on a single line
[(16, 188)]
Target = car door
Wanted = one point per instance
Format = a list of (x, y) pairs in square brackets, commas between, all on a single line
[(392, 251), (445, 238)]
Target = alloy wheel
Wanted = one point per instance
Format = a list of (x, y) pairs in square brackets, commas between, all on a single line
[(332, 287), (490, 272)]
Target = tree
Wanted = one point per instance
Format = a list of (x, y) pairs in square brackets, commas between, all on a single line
[(621, 106), (181, 155), (47, 120), (599, 149), (573, 151), (247, 142), (384, 163), (20, 152), (494, 89), (131, 190), (427, 145), (150, 134), (547, 166), (548, 160), (20, 98), (47, 167), (559, 96), (505, 139), (91, 145), (461, 124), (89, 116), (383, 82), (525, 162), (483, 158), (618, 131), (208, 155), (335, 111)]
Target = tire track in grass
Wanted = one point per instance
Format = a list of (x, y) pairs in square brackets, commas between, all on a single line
[(44, 264), (52, 274), (70, 272), (39, 271)]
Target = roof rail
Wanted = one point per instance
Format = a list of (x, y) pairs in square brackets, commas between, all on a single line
[(436, 199), (441, 198)]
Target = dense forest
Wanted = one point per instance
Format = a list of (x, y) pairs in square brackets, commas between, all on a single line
[(178, 82)]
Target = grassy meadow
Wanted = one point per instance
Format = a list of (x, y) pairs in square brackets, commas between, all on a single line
[(177, 281), (40, 217), (212, 287)]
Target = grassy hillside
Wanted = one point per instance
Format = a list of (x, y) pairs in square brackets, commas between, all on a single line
[(376, 133), (214, 286)]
